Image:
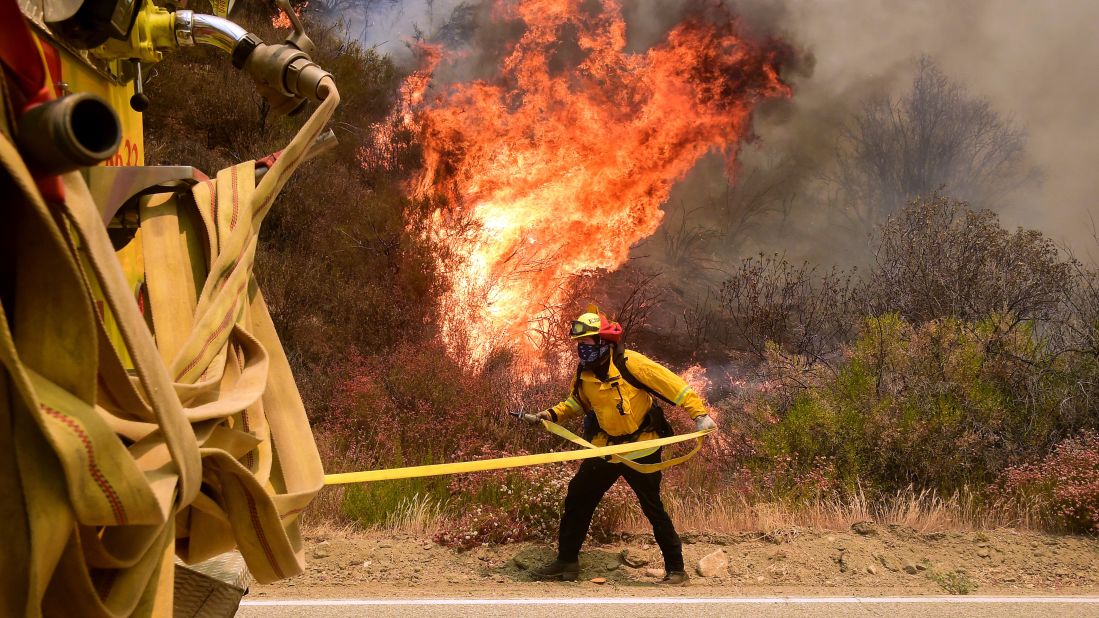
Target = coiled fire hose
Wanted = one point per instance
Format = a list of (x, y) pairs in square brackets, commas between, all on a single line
[(107, 475)]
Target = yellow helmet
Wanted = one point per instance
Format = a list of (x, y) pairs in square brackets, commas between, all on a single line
[(594, 324), (587, 325)]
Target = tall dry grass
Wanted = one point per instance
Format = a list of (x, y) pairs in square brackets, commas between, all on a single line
[(327, 509), (696, 511), (923, 511), (415, 515)]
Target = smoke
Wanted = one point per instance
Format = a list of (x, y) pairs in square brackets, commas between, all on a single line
[(1036, 63)]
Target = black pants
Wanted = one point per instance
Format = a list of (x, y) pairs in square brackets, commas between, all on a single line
[(586, 489)]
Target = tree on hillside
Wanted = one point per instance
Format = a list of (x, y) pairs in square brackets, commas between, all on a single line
[(936, 137), (937, 258), (763, 191)]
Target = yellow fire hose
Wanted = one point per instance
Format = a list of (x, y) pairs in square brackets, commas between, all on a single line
[(590, 451)]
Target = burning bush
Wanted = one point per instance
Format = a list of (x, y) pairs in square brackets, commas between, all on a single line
[(1064, 483), (559, 163)]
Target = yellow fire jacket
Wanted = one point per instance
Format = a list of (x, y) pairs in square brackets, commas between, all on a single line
[(621, 408)]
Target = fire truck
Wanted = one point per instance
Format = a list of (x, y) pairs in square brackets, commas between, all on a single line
[(154, 451)]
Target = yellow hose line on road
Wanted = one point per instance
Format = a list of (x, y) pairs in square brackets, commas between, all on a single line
[(508, 462)]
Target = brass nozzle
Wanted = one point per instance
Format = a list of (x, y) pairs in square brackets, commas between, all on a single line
[(284, 75)]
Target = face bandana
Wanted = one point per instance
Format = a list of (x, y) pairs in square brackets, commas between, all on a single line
[(591, 354)]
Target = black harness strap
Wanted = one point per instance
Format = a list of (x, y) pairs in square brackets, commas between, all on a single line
[(620, 362), (576, 389)]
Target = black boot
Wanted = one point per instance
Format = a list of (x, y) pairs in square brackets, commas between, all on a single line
[(675, 578), (558, 570)]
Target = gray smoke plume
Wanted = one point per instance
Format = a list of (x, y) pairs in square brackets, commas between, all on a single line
[(1037, 63)]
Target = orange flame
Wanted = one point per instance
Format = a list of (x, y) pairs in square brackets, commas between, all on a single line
[(282, 20), (550, 173)]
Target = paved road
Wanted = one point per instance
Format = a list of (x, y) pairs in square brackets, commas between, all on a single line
[(611, 607)]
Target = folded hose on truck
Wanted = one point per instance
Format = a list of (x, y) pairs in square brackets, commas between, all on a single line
[(203, 447)]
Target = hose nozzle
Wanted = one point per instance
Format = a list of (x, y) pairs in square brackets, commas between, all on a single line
[(74, 131), (284, 72)]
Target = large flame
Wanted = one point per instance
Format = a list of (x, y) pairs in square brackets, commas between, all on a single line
[(551, 172)]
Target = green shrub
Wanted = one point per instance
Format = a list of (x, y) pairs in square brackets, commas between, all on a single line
[(955, 582), (941, 405), (1064, 484)]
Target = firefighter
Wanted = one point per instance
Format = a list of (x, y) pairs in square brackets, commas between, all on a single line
[(616, 392)]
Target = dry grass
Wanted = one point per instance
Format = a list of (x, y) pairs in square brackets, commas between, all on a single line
[(417, 514), (924, 511), (326, 509), (732, 513), (693, 510), (317, 529)]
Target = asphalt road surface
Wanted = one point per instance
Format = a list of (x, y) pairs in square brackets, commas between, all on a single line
[(608, 607)]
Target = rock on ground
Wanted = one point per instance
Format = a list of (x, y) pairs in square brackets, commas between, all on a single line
[(633, 558), (865, 528), (713, 565)]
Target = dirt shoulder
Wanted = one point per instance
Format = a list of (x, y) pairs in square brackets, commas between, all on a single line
[(868, 560)]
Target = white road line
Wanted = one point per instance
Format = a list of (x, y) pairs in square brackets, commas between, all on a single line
[(666, 601)]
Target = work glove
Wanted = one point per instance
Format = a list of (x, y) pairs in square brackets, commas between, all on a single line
[(704, 422), (536, 419)]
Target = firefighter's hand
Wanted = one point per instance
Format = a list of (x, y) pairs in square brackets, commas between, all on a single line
[(536, 419), (704, 422)]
